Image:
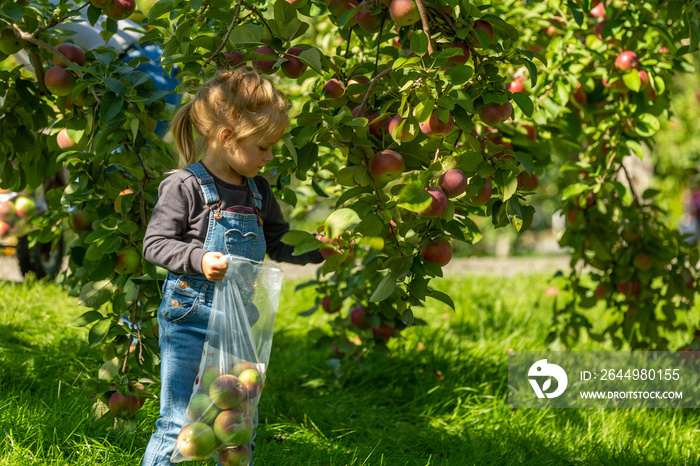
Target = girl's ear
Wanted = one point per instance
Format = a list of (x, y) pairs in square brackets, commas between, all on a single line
[(225, 136)]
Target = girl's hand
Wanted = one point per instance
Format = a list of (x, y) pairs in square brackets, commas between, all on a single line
[(213, 267)]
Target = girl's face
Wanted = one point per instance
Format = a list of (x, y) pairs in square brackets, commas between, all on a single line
[(245, 157)]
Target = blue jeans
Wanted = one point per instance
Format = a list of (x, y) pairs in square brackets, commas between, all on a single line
[(182, 322)]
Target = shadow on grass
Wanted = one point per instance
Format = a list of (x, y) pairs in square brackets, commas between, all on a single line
[(445, 404)]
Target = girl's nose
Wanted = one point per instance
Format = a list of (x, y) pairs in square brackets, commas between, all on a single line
[(268, 156)]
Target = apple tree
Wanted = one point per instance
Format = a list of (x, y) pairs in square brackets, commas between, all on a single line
[(411, 119)]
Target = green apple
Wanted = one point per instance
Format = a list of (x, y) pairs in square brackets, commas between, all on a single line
[(196, 441), (253, 382), (233, 427), (202, 409), (128, 260)]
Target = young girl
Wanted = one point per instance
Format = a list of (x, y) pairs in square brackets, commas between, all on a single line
[(213, 207)]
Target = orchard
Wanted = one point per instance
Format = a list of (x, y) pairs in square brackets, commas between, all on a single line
[(413, 119)]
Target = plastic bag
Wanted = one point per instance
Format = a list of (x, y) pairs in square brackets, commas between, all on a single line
[(234, 363)]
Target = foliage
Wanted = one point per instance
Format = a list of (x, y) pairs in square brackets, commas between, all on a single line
[(564, 116)]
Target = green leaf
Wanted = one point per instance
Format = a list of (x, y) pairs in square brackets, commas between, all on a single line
[(94, 294), (442, 297), (693, 23), (533, 71), (647, 125), (13, 10), (86, 318), (675, 9), (384, 289), (423, 110), (573, 190), (524, 103), (312, 57), (284, 12), (419, 43), (460, 74), (115, 86), (294, 237), (635, 147), (407, 317), (514, 213), (109, 369), (413, 197), (111, 106), (340, 221), (99, 331), (246, 35), (632, 80), (93, 14), (526, 161), (371, 225), (161, 8)]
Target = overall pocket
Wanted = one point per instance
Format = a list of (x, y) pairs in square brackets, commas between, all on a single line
[(181, 300), (240, 244)]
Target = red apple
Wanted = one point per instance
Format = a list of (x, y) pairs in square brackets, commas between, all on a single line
[(236, 456), (120, 9), (438, 206), (453, 182), (358, 317), (404, 12), (405, 135), (81, 220), (64, 141), (528, 182), (601, 291), (338, 7), (378, 128), (599, 29), (462, 58), (252, 381), (326, 305), (492, 114), (7, 209), (644, 78), (59, 81), (365, 19), (128, 260), (202, 409), (4, 228), (234, 58), (626, 61), (227, 392), (438, 251), (580, 95), (358, 79), (643, 262), (237, 368), (74, 53), (265, 65), (386, 165), (384, 332), (433, 127), (531, 133), (293, 67), (333, 88), (196, 441), (598, 9), (516, 86), (481, 25), (123, 405), (483, 195), (233, 427), (629, 288), (25, 207)]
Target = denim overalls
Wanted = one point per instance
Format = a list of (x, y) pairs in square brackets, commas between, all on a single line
[(184, 313)]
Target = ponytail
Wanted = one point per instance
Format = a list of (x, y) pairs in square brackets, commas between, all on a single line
[(241, 99), (183, 133)]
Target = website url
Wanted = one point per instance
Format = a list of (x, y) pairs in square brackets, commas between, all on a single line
[(631, 395)]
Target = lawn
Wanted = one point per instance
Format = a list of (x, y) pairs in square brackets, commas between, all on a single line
[(438, 399)]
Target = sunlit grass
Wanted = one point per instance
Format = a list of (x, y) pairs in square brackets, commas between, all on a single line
[(437, 398)]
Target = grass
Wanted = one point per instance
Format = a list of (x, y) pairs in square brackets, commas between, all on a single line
[(437, 399)]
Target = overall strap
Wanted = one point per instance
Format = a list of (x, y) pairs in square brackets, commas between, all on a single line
[(211, 196), (257, 197), (257, 200)]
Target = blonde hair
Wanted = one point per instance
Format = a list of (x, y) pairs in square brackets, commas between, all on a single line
[(242, 99)]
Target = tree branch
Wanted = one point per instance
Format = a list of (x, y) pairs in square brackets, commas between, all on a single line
[(372, 84), (426, 26), (226, 36)]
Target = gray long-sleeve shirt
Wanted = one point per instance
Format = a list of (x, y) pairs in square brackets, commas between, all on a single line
[(178, 227)]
